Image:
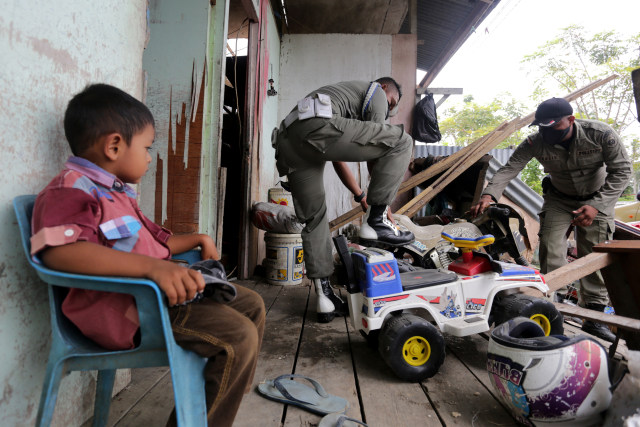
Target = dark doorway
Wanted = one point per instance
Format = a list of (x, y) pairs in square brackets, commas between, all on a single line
[(231, 158)]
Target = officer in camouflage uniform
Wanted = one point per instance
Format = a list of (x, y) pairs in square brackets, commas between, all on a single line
[(588, 169), (344, 122)]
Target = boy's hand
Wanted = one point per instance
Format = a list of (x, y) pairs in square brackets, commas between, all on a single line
[(180, 284), (208, 248)]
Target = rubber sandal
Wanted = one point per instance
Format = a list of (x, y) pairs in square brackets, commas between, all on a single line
[(315, 399), (339, 420)]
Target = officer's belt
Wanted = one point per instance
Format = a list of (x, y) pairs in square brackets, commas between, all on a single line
[(572, 197)]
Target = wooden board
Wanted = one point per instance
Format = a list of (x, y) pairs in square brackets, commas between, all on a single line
[(387, 400), (142, 381), (277, 356), (324, 356), (154, 408), (462, 400)]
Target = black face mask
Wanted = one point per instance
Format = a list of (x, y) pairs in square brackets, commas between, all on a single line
[(553, 136)]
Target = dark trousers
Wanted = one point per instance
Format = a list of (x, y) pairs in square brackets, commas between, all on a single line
[(229, 335)]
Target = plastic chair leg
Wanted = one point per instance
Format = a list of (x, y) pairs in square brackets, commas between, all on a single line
[(187, 376), (49, 395), (104, 389)]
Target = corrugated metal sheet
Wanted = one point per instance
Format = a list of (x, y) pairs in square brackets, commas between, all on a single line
[(518, 191), (443, 26), (501, 154)]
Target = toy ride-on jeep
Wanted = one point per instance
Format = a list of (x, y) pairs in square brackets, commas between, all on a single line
[(407, 313)]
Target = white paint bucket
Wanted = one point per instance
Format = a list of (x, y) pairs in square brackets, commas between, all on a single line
[(280, 196), (284, 263)]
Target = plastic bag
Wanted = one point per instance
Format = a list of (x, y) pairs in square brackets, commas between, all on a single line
[(425, 121), (275, 218)]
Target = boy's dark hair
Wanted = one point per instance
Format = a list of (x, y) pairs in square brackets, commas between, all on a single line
[(390, 81), (99, 110)]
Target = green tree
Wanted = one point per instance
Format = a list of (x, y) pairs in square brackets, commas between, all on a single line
[(532, 175), (462, 125), (562, 65), (573, 59)]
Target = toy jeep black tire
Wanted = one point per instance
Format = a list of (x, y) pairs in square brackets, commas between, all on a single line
[(412, 347), (539, 310)]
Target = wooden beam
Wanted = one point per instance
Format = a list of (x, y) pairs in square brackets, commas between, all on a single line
[(477, 151), (571, 272), (440, 90), (618, 246), (441, 101), (576, 270), (621, 322)]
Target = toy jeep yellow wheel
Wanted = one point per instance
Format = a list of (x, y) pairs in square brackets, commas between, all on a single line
[(541, 311), (412, 347), (416, 351), (543, 321)]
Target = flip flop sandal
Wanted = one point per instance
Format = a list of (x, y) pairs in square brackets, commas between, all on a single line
[(339, 420), (314, 399)]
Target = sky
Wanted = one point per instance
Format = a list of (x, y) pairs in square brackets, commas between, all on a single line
[(489, 62)]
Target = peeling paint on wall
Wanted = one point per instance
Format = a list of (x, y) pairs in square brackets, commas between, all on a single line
[(179, 193), (175, 62)]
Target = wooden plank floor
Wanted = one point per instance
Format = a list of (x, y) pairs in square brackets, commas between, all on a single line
[(342, 361)]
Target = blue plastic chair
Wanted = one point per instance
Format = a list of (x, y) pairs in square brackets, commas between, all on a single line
[(72, 351)]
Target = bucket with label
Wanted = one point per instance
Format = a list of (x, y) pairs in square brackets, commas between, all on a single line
[(280, 196), (284, 262)]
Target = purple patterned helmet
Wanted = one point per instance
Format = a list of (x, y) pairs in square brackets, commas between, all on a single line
[(548, 380)]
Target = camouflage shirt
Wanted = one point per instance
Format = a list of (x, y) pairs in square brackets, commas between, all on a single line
[(596, 162)]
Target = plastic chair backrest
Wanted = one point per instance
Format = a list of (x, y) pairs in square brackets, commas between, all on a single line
[(71, 350)]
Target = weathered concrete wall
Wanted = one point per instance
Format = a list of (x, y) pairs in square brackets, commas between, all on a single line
[(270, 112), (309, 61), (50, 51)]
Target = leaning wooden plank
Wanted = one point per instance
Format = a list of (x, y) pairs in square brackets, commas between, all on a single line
[(621, 322), (325, 356), (447, 163), (411, 208), (346, 218), (571, 272), (461, 399), (441, 166), (387, 400), (277, 356)]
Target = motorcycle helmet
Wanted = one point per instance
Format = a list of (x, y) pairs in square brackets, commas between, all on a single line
[(551, 380)]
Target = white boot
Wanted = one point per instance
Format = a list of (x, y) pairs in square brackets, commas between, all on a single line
[(328, 305)]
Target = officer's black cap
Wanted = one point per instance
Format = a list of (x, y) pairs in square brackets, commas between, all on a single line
[(551, 111)]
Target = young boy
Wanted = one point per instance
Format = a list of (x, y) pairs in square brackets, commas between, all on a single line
[(87, 221)]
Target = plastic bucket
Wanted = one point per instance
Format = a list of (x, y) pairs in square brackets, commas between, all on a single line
[(280, 196), (284, 263)]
